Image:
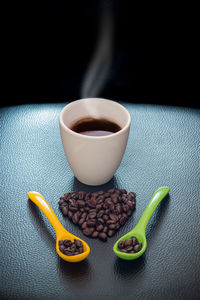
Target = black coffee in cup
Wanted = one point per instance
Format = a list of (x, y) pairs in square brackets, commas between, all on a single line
[(95, 127)]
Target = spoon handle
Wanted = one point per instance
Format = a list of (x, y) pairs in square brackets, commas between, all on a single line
[(157, 197), (39, 200)]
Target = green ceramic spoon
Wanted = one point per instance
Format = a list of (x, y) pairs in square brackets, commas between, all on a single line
[(139, 230)]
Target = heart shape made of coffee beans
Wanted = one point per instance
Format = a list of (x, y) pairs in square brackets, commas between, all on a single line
[(99, 214)]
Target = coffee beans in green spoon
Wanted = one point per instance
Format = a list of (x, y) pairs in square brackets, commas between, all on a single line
[(138, 231)]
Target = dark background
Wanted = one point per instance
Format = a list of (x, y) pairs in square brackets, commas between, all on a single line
[(49, 46), (59, 51)]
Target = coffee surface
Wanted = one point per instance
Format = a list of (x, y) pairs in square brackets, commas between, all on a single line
[(95, 127)]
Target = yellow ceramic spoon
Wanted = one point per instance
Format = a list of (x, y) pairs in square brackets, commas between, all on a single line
[(61, 232)]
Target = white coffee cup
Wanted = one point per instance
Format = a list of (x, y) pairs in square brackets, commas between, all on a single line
[(94, 159)]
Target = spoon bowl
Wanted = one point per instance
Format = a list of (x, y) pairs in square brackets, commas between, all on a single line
[(61, 232), (139, 230), (130, 256)]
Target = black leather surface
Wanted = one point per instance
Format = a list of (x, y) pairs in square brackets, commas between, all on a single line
[(163, 149)]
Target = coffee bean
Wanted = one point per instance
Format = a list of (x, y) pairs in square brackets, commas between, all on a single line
[(129, 213), (117, 225), (130, 197), (67, 253), (122, 220), (100, 199), (100, 213), (135, 241), (128, 242), (81, 221), (111, 191), (67, 196), (91, 210), (81, 195), (61, 201), (100, 220), (64, 210), (137, 247), (87, 196), (72, 202), (84, 225), (121, 244), (95, 234), (109, 202), (112, 207), (99, 227), (78, 243), (129, 248), (120, 198), (105, 229), (62, 248), (125, 207), (114, 199), (70, 214), (105, 217), (124, 215), (75, 218), (117, 191), (64, 204), (94, 195), (73, 195), (103, 236), (133, 194), (67, 243), (124, 250), (130, 204), (91, 223), (88, 231), (111, 226), (106, 195), (110, 222), (100, 192), (72, 248), (60, 242), (111, 233), (118, 208), (81, 203), (123, 191), (73, 208), (92, 215), (113, 217), (84, 215), (105, 206), (98, 207), (92, 202), (124, 198)]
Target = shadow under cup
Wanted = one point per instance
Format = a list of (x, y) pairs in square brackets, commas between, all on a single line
[(94, 159)]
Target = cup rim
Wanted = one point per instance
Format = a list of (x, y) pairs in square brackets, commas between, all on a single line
[(94, 137)]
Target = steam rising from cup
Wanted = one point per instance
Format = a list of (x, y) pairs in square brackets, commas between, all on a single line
[(98, 71)]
